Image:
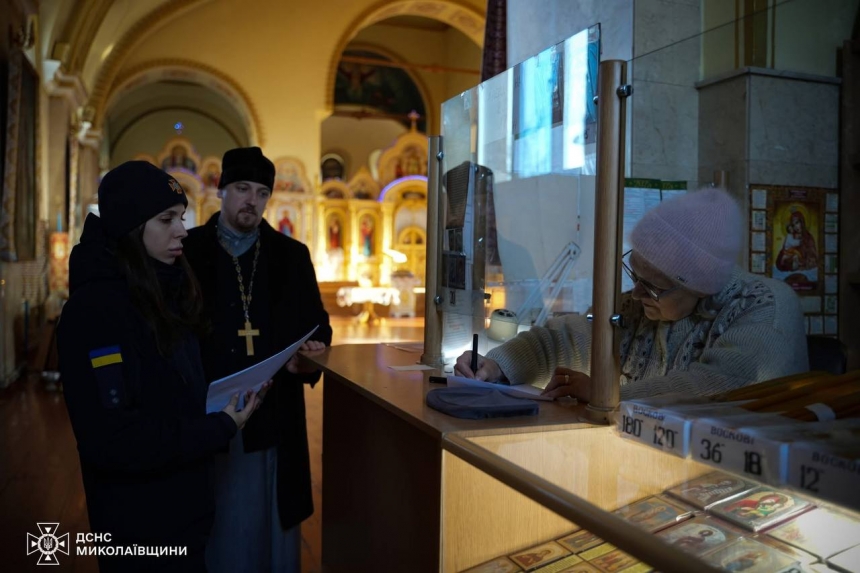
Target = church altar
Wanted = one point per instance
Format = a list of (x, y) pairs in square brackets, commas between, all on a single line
[(368, 296), (368, 228)]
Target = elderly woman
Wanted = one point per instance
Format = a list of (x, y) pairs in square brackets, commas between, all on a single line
[(694, 322)]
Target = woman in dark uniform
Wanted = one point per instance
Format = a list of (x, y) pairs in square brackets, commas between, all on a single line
[(133, 379)]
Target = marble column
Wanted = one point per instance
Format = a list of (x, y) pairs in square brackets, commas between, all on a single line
[(743, 130), (663, 112), (534, 25), (88, 176), (849, 234)]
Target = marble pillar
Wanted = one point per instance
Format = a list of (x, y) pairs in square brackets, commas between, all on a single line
[(59, 119), (769, 127), (534, 25)]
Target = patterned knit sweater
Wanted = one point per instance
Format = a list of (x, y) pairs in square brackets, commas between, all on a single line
[(749, 332)]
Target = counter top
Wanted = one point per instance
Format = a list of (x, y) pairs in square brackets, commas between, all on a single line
[(365, 369)]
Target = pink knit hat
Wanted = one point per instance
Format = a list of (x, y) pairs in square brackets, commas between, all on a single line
[(694, 239)]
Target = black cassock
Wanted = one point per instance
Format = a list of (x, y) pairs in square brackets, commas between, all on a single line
[(285, 305)]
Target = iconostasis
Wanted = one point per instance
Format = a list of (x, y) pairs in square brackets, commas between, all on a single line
[(368, 229)]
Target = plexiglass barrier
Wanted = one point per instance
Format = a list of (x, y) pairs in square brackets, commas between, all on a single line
[(743, 96), (518, 195)]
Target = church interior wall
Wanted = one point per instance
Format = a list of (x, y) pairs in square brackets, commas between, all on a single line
[(287, 83), (355, 139), (718, 54), (460, 52), (52, 15), (23, 280), (429, 47), (743, 131), (534, 25), (123, 15), (57, 143), (149, 134), (663, 116), (722, 128), (693, 110), (804, 151), (213, 115), (10, 14), (816, 30)]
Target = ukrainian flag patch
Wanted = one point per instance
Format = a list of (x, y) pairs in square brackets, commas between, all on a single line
[(105, 356)]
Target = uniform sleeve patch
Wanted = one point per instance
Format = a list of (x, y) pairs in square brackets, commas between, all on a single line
[(105, 356)]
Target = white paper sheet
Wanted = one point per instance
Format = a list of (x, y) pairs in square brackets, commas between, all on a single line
[(412, 367), (518, 391), (252, 377)]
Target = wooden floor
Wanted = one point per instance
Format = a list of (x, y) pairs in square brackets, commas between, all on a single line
[(40, 474)]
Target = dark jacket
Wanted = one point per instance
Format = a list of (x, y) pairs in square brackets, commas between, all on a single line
[(294, 307), (140, 420)]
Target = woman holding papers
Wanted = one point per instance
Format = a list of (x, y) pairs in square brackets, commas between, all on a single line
[(694, 322), (133, 378)]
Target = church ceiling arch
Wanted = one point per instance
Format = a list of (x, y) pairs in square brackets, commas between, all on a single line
[(174, 70), (107, 75), (74, 40), (364, 89), (116, 134), (460, 16)]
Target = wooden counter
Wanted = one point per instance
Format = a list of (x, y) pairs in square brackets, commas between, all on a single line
[(382, 458)]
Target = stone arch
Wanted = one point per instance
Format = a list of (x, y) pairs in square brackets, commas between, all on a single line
[(423, 90), (460, 16), (191, 71), (107, 75)]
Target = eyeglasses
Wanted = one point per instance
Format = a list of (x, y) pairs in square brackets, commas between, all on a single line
[(654, 292)]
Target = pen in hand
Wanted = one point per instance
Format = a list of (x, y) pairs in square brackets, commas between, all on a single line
[(474, 364)]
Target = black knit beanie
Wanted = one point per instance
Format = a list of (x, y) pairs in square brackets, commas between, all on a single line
[(133, 193), (246, 164)]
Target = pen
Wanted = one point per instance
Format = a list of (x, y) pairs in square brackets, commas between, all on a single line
[(474, 353)]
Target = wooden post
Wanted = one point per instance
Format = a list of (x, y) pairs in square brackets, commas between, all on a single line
[(432, 355), (605, 359), (849, 201)]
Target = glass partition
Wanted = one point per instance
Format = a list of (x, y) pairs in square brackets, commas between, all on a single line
[(739, 95), (518, 197), (748, 101)]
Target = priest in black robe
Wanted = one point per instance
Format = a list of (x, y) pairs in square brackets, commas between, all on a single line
[(260, 295)]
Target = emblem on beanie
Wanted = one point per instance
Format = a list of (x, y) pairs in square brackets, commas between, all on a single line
[(175, 186)]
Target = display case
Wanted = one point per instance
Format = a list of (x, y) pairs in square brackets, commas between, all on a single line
[(529, 499), (407, 488)]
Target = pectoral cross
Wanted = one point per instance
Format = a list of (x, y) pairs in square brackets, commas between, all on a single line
[(249, 333)]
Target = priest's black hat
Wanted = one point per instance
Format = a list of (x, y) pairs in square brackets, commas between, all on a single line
[(246, 164), (133, 193)]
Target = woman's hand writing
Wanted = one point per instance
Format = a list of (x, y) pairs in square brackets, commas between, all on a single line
[(487, 369)]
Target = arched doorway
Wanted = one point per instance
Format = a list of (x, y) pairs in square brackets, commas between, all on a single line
[(157, 102), (392, 72), (412, 242)]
